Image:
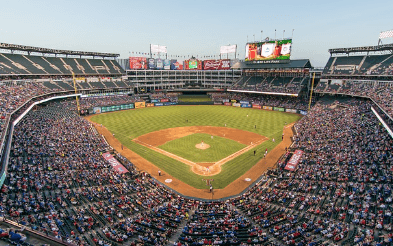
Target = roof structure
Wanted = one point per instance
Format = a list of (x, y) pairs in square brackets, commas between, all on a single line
[(29, 49), (301, 63)]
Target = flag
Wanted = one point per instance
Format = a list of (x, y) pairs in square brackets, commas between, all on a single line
[(387, 34)]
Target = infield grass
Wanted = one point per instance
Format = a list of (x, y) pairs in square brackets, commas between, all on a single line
[(219, 147), (129, 124)]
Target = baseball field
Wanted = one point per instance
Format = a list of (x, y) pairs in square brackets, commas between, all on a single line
[(193, 143)]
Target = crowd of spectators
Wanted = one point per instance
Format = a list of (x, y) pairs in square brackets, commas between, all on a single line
[(270, 84), (14, 95), (380, 92), (90, 102), (59, 184)]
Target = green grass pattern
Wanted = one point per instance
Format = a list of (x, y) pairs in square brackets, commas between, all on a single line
[(194, 98), (220, 147), (129, 124)]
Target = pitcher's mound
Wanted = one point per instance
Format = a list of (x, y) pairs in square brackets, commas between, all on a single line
[(202, 146)]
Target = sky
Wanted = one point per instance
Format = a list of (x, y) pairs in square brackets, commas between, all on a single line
[(195, 28)]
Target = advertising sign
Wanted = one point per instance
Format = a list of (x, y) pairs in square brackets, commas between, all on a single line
[(97, 110), (217, 103), (294, 161), (167, 103), (247, 102), (114, 163), (154, 100), (279, 109), (227, 104), (291, 110), (158, 104), (149, 105), (216, 64), (138, 63), (269, 51), (159, 64), (302, 112), (164, 100), (151, 63), (267, 107), (167, 64), (236, 104), (139, 104), (245, 105), (228, 49), (256, 106), (193, 64), (175, 65)]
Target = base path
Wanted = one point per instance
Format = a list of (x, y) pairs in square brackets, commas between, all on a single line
[(232, 189), (153, 139)]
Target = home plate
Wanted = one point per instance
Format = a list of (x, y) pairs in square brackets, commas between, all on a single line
[(247, 179), (168, 180)]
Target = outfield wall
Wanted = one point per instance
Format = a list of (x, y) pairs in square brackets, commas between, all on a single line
[(153, 103)]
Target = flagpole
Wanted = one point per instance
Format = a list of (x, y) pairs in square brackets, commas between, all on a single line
[(275, 33), (312, 86), (283, 34), (261, 35)]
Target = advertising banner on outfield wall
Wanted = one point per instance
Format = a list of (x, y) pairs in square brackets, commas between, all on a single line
[(256, 106), (236, 105), (114, 163), (227, 104), (225, 100), (164, 100), (167, 103), (302, 112), (245, 102), (291, 110), (245, 105), (158, 104), (294, 161), (155, 100), (267, 107), (278, 109), (149, 105), (97, 110), (217, 103), (139, 104)]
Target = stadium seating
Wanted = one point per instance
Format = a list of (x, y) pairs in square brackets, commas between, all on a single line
[(291, 85), (41, 65), (70, 192), (359, 65)]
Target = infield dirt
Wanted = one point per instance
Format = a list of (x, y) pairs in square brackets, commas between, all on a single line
[(233, 188)]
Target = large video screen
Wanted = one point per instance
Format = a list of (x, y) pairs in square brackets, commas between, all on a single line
[(138, 63), (270, 51)]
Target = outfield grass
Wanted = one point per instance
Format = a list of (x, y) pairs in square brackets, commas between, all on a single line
[(129, 124), (219, 147), (194, 98)]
